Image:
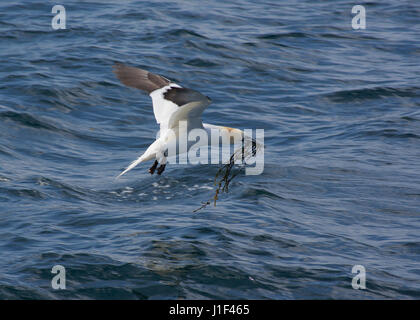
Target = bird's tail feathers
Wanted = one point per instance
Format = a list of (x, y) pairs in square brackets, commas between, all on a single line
[(131, 166), (148, 155), (142, 158)]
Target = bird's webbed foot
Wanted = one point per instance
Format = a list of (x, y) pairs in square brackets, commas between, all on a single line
[(153, 168), (161, 169)]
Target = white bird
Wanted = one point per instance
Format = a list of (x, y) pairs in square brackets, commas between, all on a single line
[(171, 104)]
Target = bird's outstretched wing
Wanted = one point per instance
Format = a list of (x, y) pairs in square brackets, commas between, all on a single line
[(171, 102)]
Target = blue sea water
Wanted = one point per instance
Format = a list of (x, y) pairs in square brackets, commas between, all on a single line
[(341, 184)]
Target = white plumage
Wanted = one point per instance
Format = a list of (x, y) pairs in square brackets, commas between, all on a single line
[(171, 104)]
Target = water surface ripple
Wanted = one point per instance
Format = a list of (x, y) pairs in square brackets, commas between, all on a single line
[(341, 185)]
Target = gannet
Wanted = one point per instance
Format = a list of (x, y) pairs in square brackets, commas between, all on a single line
[(172, 105)]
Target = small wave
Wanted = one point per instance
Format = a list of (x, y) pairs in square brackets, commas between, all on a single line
[(391, 133), (372, 93), (404, 247), (197, 62), (70, 191), (4, 152), (27, 120), (4, 179), (347, 36), (257, 193), (185, 33), (275, 36), (23, 193)]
